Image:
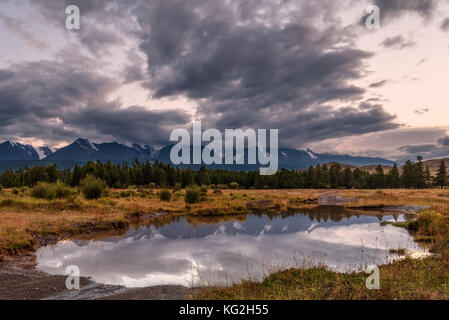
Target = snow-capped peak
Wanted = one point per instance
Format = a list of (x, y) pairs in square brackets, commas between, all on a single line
[(44, 152), (86, 144), (311, 154)]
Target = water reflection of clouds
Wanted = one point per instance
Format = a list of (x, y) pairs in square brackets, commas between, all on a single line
[(227, 253)]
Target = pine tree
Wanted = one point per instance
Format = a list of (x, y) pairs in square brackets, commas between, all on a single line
[(441, 178), (420, 174), (76, 176), (188, 178), (357, 178), (379, 178), (325, 179), (408, 175), (317, 180), (395, 177), (428, 177), (310, 178), (203, 177), (347, 178), (335, 175)]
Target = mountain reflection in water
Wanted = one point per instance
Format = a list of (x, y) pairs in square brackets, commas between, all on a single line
[(193, 251)]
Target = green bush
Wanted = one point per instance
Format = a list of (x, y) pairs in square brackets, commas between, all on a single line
[(63, 191), (50, 191), (43, 190), (192, 195), (203, 190), (165, 195), (92, 188), (177, 188), (234, 185), (15, 191), (145, 193), (127, 193), (177, 195), (203, 193)]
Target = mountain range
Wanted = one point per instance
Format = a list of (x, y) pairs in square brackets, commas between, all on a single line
[(83, 150), (16, 151)]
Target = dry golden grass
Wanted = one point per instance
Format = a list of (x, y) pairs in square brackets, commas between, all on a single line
[(21, 216), (376, 198), (426, 278), (405, 279)]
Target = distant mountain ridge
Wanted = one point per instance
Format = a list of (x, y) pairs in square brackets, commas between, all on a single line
[(44, 152), (83, 150), (16, 151), (292, 159)]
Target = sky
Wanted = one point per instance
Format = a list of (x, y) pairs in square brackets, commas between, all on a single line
[(138, 69)]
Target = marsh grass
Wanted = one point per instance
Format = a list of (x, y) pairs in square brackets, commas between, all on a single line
[(51, 191), (402, 279), (407, 278), (165, 195), (59, 210), (22, 216), (92, 188)]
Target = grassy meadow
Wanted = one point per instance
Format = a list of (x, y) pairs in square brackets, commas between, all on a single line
[(30, 218)]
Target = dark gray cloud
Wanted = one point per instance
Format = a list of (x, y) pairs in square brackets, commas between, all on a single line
[(260, 64), (445, 25), (325, 123), (397, 42), (440, 149), (420, 62), (104, 23), (135, 69), (251, 72), (378, 84), (418, 149), (50, 101), (5, 74), (444, 141), (134, 123), (15, 26), (394, 8), (98, 39), (421, 111), (428, 151)]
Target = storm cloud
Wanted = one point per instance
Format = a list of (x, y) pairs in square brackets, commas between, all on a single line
[(15, 27), (445, 25), (289, 65), (394, 8), (46, 100), (444, 141), (397, 42), (237, 62)]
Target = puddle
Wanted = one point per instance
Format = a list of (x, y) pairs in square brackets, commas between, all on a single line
[(192, 253)]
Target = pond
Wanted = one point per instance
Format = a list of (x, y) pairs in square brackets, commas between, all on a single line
[(191, 251)]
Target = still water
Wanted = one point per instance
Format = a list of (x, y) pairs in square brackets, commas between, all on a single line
[(199, 252)]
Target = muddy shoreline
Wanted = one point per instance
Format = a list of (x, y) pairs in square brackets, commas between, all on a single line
[(19, 280)]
